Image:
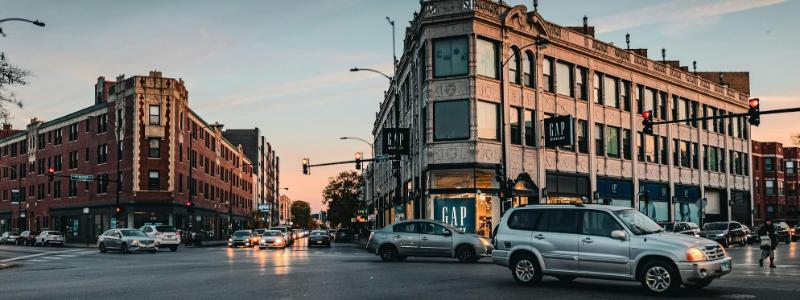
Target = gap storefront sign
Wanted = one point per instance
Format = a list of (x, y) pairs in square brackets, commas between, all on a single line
[(458, 212)]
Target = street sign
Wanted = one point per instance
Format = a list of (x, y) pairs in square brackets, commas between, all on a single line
[(395, 141), (78, 177), (263, 208), (371, 217), (381, 158), (558, 131)]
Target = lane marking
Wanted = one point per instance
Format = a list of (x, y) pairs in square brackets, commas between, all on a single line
[(36, 255), (66, 256), (37, 260), (52, 258)]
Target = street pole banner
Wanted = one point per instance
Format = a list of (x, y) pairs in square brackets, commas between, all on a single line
[(558, 131), (459, 212), (395, 141)]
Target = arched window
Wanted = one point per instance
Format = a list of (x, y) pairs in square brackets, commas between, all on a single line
[(513, 68), (528, 67)]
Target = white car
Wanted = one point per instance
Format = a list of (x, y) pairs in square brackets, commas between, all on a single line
[(49, 238), (165, 235)]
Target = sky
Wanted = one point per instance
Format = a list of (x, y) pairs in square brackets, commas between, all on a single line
[(282, 66)]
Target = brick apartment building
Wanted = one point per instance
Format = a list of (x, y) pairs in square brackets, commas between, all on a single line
[(474, 90), (150, 160), (257, 149), (775, 182)]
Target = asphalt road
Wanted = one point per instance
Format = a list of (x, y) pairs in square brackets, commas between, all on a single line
[(340, 272)]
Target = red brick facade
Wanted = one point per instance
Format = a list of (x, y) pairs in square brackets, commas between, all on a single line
[(154, 182), (775, 181)]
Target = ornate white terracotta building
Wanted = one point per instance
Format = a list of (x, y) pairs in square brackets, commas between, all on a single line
[(474, 89)]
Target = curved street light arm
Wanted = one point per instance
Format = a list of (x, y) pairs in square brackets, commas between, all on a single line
[(359, 139), (539, 42), (371, 70), (34, 22)]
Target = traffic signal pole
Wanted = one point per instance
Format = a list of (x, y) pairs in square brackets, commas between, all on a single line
[(765, 112)]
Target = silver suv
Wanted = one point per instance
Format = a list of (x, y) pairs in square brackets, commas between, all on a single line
[(426, 238), (606, 242)]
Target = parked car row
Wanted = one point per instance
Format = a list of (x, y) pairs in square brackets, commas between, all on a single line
[(147, 238), (33, 238)]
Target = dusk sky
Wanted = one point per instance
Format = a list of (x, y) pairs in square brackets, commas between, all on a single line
[(282, 66)]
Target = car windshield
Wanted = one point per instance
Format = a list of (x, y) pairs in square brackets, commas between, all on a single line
[(165, 228), (668, 226), (282, 229), (241, 233), (272, 233), (637, 222), (132, 232), (716, 226)]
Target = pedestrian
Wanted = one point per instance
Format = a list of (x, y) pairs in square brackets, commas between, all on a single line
[(768, 243)]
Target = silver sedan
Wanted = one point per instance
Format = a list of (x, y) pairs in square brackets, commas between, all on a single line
[(427, 238), (126, 240)]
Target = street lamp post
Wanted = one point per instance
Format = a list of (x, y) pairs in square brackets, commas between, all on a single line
[(538, 43), (397, 124)]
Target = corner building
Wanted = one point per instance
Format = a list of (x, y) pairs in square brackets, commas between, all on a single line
[(475, 91), (138, 132)]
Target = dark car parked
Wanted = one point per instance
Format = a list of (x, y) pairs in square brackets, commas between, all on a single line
[(782, 233), (725, 233), (27, 238), (687, 228), (344, 235), (319, 238)]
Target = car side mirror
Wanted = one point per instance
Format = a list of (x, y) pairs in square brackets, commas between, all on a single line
[(619, 235), (447, 233)]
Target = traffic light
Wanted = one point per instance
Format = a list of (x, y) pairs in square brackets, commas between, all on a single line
[(190, 206), (305, 166), (50, 174), (118, 210), (754, 114), (647, 122), (358, 160)]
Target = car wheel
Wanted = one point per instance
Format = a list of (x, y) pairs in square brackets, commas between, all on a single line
[(124, 248), (103, 248), (660, 278), (388, 253), (696, 285), (727, 242), (565, 278), (466, 254), (525, 269), (173, 248), (741, 242)]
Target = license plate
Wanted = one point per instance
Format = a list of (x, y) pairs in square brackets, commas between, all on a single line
[(726, 266), (319, 242)]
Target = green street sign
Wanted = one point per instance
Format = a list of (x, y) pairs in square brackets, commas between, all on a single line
[(77, 177), (381, 158)]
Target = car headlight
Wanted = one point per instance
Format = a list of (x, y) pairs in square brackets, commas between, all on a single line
[(230, 240), (720, 235), (695, 254), (135, 242), (485, 242)]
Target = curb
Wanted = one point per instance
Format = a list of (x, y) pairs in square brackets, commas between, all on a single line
[(7, 266)]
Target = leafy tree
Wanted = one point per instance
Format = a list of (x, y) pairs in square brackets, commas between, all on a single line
[(301, 214), (342, 196), (10, 75)]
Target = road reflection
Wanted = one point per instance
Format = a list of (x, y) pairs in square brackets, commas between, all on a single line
[(271, 261)]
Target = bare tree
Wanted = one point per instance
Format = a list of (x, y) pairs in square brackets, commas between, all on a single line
[(10, 75)]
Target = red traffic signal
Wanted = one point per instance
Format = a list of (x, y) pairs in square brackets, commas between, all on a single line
[(358, 160), (647, 122), (50, 174), (754, 112), (305, 166)]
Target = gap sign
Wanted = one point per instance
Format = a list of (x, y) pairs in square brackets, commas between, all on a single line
[(395, 141), (559, 131)]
